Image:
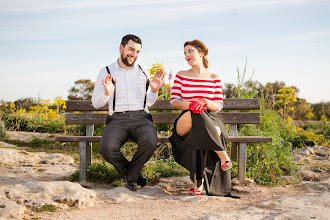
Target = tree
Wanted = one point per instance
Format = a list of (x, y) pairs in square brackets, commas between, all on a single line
[(25, 103), (271, 90), (82, 90), (285, 100), (302, 110), (321, 109)]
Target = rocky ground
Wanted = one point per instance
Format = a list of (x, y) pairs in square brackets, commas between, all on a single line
[(30, 180)]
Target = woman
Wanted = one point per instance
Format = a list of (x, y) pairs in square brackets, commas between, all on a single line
[(199, 138)]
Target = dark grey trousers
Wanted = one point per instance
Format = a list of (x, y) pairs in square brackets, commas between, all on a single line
[(136, 125)]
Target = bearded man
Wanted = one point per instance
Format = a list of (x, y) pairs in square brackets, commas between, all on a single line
[(126, 88)]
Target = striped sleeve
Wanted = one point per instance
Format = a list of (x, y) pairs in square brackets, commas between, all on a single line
[(176, 89), (218, 95)]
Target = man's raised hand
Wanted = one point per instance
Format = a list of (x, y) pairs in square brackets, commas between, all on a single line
[(109, 87), (157, 81)]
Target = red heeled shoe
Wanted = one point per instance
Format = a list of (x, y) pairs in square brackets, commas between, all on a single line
[(195, 192), (226, 166)]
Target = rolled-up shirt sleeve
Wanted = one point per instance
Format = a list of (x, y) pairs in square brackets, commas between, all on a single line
[(99, 99)]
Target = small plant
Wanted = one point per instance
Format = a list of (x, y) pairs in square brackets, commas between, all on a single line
[(117, 183), (47, 208), (156, 168), (3, 134)]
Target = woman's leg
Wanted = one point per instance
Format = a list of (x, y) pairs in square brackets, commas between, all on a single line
[(184, 124), (222, 154)]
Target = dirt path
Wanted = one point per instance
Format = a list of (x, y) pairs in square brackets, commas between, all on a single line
[(178, 205), (169, 199)]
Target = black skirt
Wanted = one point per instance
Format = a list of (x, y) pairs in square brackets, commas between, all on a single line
[(195, 152)]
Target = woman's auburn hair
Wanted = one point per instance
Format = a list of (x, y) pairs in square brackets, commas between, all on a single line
[(202, 48)]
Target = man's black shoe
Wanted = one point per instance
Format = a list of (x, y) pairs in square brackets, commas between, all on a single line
[(130, 185), (142, 180)]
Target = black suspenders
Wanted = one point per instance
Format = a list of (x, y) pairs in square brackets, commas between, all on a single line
[(114, 94), (147, 86)]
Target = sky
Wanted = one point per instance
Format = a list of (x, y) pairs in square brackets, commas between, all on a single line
[(45, 46)]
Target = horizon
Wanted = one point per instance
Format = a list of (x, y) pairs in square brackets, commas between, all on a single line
[(47, 46)]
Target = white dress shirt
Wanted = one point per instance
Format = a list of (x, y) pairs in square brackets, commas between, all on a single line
[(130, 89)]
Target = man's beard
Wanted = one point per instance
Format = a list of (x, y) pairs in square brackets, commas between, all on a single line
[(125, 61)]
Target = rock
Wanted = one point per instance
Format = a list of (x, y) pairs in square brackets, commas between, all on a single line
[(248, 182), (300, 207), (28, 136), (287, 179), (17, 157), (296, 158), (305, 151), (316, 170), (10, 209), (309, 175), (319, 186), (320, 158), (62, 194), (321, 153)]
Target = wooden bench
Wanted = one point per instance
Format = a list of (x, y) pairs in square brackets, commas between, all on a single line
[(89, 117)]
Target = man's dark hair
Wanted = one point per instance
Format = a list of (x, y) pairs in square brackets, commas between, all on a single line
[(129, 37)]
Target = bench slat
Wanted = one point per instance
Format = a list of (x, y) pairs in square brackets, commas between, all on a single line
[(229, 104), (162, 139), (165, 118)]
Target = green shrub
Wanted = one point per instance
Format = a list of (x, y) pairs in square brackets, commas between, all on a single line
[(102, 172), (156, 168), (268, 161), (312, 134)]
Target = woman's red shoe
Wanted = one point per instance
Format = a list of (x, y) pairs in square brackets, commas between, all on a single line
[(226, 166), (195, 192)]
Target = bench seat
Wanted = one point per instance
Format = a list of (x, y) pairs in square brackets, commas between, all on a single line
[(164, 139)]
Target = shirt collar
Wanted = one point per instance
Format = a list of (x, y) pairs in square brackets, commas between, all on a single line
[(118, 67)]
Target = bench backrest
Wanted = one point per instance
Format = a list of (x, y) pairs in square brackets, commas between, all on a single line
[(88, 115)]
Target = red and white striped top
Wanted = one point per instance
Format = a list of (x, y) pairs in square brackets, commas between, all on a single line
[(189, 89)]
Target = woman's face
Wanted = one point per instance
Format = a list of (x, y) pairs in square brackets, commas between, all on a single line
[(192, 56)]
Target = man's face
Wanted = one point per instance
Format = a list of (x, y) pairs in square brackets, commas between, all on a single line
[(130, 52)]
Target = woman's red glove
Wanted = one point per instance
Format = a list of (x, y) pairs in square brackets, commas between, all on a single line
[(198, 106)]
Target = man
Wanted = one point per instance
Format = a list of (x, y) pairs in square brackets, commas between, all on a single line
[(125, 87)]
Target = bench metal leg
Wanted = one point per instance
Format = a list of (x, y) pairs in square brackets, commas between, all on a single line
[(242, 162), (82, 161), (85, 154), (89, 132), (233, 151)]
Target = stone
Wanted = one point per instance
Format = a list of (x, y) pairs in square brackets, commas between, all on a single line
[(309, 175), (305, 151), (287, 179), (10, 209), (64, 194)]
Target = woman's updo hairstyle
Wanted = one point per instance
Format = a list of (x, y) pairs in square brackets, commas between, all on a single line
[(200, 46)]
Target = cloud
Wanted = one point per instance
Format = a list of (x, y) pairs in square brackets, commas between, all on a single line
[(166, 5)]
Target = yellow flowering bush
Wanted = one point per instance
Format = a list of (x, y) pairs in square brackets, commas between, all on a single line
[(43, 117)]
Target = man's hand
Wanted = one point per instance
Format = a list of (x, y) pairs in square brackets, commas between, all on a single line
[(157, 81), (109, 87)]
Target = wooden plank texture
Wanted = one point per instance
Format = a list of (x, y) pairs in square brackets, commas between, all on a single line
[(242, 157), (229, 104), (165, 118), (162, 139)]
